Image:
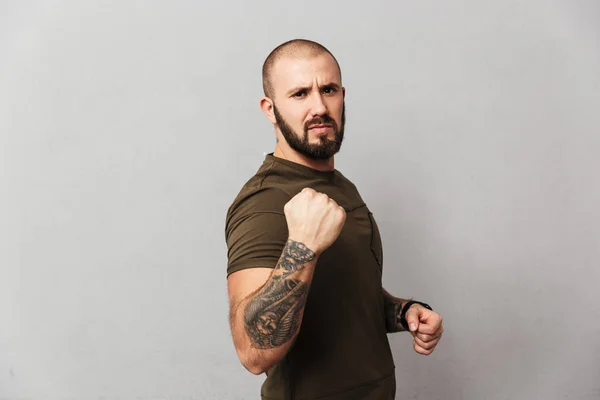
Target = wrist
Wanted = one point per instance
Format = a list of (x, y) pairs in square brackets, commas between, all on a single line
[(406, 306), (308, 245)]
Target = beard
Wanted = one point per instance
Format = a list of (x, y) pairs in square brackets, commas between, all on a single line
[(315, 151)]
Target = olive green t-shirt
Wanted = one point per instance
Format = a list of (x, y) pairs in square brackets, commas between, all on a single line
[(341, 351)]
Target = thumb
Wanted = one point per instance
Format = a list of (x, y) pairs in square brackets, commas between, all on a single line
[(412, 319)]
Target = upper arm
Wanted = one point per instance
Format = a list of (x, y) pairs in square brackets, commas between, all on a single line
[(256, 241), (254, 244), (243, 283)]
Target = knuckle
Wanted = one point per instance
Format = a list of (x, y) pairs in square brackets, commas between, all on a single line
[(308, 192)]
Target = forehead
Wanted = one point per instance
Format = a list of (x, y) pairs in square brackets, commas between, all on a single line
[(290, 72)]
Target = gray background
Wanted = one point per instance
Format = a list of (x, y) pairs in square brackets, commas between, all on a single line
[(127, 128)]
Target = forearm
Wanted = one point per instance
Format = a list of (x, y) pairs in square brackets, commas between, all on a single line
[(392, 309), (267, 321)]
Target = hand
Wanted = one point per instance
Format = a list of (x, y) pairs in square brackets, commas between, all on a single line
[(314, 219), (426, 328)]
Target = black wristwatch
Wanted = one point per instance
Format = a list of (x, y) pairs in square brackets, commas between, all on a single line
[(405, 309)]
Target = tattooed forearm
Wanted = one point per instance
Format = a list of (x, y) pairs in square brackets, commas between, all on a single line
[(272, 316), (392, 316), (295, 255), (392, 308)]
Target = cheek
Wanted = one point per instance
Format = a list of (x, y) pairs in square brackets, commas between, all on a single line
[(335, 110), (338, 116), (303, 115), (296, 116)]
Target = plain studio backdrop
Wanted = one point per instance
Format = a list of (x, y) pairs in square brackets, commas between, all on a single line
[(128, 127)]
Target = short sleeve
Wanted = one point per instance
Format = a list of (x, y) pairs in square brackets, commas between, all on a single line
[(256, 241)]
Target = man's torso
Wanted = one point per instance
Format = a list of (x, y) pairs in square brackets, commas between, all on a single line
[(341, 350)]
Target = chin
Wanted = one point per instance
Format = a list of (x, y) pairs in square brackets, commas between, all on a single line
[(324, 135)]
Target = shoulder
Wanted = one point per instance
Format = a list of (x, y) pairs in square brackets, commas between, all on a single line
[(267, 191), (256, 228), (252, 200)]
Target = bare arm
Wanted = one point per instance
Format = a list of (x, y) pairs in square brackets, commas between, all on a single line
[(265, 322), (267, 308), (393, 308)]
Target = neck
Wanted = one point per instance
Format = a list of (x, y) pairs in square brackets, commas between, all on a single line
[(286, 152)]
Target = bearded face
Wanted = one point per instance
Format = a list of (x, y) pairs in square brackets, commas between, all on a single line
[(320, 126)]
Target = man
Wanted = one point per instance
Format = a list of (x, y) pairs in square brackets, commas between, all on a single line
[(307, 306)]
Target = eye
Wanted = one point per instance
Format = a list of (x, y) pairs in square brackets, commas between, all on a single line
[(300, 94), (329, 90)]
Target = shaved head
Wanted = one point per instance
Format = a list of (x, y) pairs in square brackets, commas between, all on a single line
[(297, 48)]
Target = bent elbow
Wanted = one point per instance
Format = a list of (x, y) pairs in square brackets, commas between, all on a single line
[(252, 364), (255, 369)]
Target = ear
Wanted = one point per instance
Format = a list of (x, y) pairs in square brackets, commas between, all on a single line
[(266, 105), (343, 92)]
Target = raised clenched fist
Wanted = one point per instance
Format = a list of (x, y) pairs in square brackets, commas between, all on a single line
[(314, 219)]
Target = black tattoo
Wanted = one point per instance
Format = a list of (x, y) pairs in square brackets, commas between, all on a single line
[(272, 316), (392, 315)]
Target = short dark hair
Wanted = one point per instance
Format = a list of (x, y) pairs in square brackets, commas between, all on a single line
[(291, 48)]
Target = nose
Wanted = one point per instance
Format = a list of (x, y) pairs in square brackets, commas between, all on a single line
[(318, 105)]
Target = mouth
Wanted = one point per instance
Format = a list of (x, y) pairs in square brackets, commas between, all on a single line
[(320, 128)]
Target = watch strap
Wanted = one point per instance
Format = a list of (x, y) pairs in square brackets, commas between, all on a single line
[(405, 309)]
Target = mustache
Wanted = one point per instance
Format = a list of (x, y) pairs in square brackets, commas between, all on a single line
[(320, 120)]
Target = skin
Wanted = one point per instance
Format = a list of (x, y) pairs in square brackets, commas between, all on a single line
[(426, 329)]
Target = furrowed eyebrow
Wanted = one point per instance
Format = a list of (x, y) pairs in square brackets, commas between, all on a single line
[(297, 89), (334, 86)]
